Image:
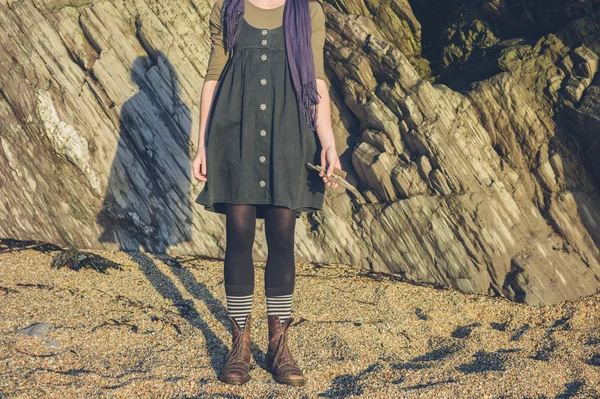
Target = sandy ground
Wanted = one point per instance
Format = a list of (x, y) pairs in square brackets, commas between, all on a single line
[(154, 331)]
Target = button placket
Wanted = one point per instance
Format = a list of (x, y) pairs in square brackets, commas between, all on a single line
[(264, 145)]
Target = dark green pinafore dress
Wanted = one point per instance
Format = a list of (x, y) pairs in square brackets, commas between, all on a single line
[(257, 143)]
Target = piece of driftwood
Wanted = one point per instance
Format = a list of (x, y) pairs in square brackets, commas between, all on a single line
[(338, 176)]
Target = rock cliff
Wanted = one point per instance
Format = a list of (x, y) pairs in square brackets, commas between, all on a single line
[(470, 131)]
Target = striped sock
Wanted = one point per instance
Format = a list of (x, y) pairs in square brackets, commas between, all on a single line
[(239, 307), (280, 305)]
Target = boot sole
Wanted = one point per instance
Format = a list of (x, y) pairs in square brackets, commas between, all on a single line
[(296, 383), (234, 381)]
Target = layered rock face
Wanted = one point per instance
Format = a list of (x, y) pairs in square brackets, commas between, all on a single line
[(485, 185)]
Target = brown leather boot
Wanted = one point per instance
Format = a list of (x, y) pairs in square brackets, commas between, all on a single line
[(279, 359), (237, 363)]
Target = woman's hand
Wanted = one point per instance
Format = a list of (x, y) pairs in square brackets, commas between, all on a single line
[(199, 164), (329, 159)]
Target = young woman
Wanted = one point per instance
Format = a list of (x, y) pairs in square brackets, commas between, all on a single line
[(264, 114)]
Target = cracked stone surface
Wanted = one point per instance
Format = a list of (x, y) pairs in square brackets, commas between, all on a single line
[(484, 183)]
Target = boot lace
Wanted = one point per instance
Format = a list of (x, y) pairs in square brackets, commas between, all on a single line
[(283, 354), (236, 349)]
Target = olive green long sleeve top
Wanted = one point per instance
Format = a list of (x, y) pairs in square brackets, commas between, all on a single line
[(263, 18)]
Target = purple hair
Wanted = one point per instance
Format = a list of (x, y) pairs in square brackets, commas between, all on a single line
[(297, 28)]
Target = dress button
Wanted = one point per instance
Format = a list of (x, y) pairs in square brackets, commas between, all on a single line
[(263, 82), (263, 57), (262, 183), (263, 132), (262, 158), (264, 32), (263, 106), (264, 42)]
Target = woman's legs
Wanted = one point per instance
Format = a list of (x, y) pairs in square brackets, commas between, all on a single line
[(239, 267), (280, 275), (280, 271)]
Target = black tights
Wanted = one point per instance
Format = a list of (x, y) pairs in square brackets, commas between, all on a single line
[(280, 271)]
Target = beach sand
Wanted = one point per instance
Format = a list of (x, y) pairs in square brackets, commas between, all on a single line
[(155, 331)]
